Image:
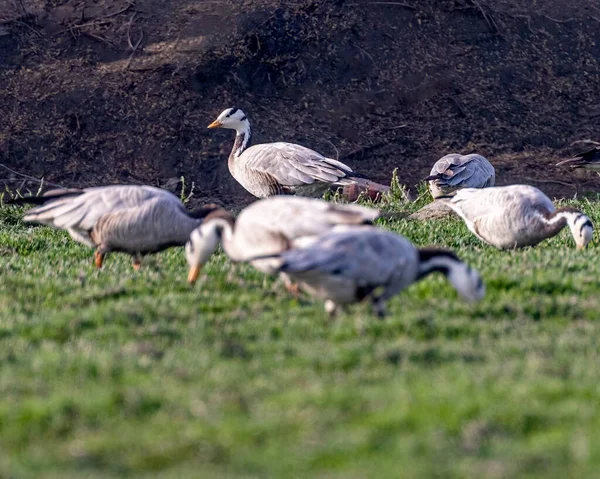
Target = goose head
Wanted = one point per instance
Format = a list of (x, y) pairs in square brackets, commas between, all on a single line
[(216, 227), (232, 119), (581, 228), (466, 281), (202, 244), (589, 160)]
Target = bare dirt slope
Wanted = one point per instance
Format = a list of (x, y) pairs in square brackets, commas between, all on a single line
[(107, 91)]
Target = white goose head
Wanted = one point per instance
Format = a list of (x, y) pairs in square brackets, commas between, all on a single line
[(580, 225), (204, 241), (465, 280), (232, 119)]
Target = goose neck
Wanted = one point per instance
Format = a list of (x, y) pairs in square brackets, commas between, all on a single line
[(242, 139), (436, 261)]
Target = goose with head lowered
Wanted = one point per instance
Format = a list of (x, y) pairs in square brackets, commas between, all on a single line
[(268, 227), (345, 267), (516, 216), (284, 168), (589, 160), (137, 220), (455, 171)]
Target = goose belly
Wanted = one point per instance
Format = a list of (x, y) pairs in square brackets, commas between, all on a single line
[(510, 232), (338, 289)]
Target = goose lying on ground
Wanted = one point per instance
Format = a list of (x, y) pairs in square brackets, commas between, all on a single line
[(516, 216), (345, 267), (133, 219), (456, 171), (589, 160), (284, 168), (269, 227)]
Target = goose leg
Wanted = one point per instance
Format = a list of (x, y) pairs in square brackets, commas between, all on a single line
[(99, 257), (379, 307), (292, 287), (137, 261)]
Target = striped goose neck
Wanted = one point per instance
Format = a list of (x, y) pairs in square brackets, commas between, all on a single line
[(242, 139), (558, 219), (580, 225), (432, 260)]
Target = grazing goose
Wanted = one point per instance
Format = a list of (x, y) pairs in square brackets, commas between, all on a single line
[(269, 227), (516, 216), (133, 219), (590, 160), (345, 267), (284, 168), (456, 171)]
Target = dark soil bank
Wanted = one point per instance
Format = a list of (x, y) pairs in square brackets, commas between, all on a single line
[(121, 91)]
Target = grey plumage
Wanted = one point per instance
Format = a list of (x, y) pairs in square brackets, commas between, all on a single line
[(129, 218), (344, 267), (516, 216), (280, 168), (456, 171)]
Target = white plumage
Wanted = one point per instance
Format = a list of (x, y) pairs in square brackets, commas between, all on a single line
[(282, 168), (516, 216), (345, 267), (268, 227)]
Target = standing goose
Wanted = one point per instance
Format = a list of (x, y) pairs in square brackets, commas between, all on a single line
[(456, 171), (356, 264), (133, 219), (589, 160), (284, 168), (517, 216), (268, 227)]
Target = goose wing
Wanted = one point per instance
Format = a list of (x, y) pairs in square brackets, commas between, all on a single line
[(368, 257), (463, 171), (78, 211), (294, 165)]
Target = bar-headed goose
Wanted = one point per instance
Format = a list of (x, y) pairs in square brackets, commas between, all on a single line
[(269, 227), (344, 267), (284, 168), (589, 160), (517, 216), (456, 171), (133, 219)]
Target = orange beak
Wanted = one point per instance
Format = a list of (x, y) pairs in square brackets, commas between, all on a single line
[(215, 124), (193, 274)]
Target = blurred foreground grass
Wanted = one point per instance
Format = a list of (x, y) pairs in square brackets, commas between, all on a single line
[(117, 373)]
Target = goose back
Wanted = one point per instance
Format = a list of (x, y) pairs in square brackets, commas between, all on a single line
[(345, 267), (275, 224), (460, 171), (286, 168)]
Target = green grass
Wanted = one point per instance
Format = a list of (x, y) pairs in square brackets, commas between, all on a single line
[(115, 373)]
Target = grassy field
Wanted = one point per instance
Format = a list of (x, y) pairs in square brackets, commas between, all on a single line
[(115, 373)]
